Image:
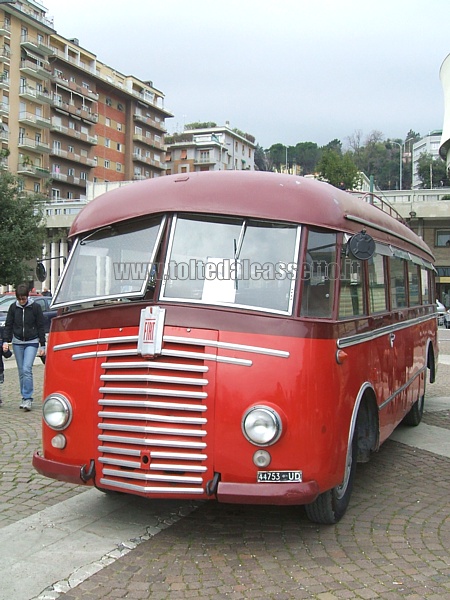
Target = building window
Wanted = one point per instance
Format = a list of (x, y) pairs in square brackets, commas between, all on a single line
[(108, 101), (108, 122), (71, 172), (107, 163), (37, 188), (119, 146), (442, 238), (70, 149), (119, 126), (107, 143), (56, 194), (118, 167), (83, 175)]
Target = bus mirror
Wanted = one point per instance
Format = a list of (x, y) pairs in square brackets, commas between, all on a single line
[(41, 272), (362, 246)]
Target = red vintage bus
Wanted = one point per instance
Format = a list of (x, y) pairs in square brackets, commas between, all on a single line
[(239, 336)]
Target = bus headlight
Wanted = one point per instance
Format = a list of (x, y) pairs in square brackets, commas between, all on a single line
[(57, 411), (262, 425)]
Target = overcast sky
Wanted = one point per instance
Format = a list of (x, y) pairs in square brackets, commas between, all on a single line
[(285, 71)]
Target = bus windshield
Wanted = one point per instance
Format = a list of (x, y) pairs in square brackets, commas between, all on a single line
[(232, 261), (111, 262)]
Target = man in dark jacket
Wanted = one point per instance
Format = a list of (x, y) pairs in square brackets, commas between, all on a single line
[(25, 328)]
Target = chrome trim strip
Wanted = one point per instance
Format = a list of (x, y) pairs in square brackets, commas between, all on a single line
[(156, 379), (170, 467), (368, 336), (178, 456), (226, 346), (120, 439), (133, 464), (150, 404), (177, 354), (155, 365), (178, 340), (401, 388), (125, 451), (104, 414), (95, 341), (149, 489), (152, 430), (153, 392), (153, 466), (152, 477), (160, 455)]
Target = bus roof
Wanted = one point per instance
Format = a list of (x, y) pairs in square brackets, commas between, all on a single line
[(253, 194)]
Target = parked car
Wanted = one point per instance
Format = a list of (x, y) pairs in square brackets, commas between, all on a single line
[(44, 302), (441, 312)]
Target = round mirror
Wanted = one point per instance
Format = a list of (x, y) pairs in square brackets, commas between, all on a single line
[(41, 272)]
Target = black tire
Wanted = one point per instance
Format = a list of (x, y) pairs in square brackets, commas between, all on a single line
[(415, 414), (330, 506)]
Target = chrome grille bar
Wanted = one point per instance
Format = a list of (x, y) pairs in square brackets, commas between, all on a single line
[(141, 476), (156, 379), (104, 414), (153, 392), (153, 404), (150, 489), (153, 430), (148, 364), (152, 442)]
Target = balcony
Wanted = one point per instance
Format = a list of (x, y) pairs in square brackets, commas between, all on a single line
[(26, 168), (5, 54), (38, 146), (34, 120), (5, 29), (74, 133), (4, 82), (4, 137), (150, 122), (4, 109), (69, 179), (35, 95), (35, 45), (148, 141), (78, 158), (38, 70), (80, 111), (74, 87)]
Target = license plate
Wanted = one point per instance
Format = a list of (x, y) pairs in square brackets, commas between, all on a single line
[(279, 476)]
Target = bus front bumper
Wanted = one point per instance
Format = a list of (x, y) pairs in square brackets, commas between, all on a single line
[(268, 493), (57, 470)]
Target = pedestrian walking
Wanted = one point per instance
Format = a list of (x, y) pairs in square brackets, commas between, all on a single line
[(24, 327), (3, 354)]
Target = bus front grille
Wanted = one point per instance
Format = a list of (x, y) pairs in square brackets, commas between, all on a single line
[(153, 422)]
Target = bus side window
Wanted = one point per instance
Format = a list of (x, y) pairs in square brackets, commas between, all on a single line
[(424, 277), (319, 275), (413, 284), (398, 282), (377, 284), (351, 294)]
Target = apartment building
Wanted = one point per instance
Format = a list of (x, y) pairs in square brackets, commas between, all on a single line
[(210, 148), (66, 117), (428, 144), (445, 139)]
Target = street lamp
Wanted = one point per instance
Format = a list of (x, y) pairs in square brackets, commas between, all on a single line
[(401, 162)]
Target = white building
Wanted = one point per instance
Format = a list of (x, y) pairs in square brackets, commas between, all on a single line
[(427, 145), (445, 139)]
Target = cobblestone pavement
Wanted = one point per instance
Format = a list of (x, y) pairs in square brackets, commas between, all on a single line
[(22, 490), (393, 543)]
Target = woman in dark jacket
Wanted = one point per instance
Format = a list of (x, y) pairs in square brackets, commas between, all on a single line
[(25, 328)]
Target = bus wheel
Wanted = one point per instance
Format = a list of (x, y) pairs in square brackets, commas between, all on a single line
[(415, 414), (330, 507)]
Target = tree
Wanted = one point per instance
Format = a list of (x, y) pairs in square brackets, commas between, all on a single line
[(338, 169), (432, 171), (260, 159), (307, 155), (22, 230)]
